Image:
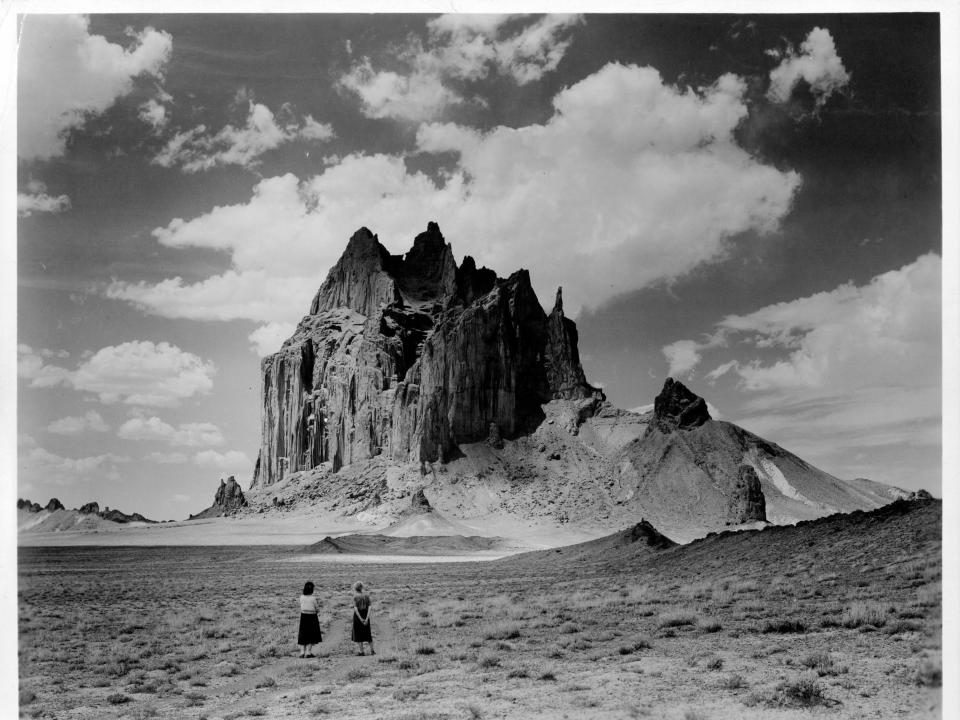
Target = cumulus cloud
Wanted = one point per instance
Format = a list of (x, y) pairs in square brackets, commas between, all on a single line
[(66, 74), (856, 367), (197, 149), (42, 465), (90, 422), (135, 373), (637, 180), (167, 458), (187, 434), (462, 48), (36, 200), (230, 460), (817, 63), (683, 356), (154, 114)]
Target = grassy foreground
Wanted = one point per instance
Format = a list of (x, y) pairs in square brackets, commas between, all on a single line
[(816, 621)]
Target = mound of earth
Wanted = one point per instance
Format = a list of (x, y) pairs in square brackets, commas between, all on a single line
[(410, 545), (642, 538)]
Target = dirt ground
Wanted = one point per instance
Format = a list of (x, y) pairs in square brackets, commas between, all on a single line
[(715, 630)]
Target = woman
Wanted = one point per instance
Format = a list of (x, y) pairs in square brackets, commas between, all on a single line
[(309, 634), (361, 618)]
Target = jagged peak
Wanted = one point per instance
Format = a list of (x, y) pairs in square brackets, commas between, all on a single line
[(558, 303), (679, 407)]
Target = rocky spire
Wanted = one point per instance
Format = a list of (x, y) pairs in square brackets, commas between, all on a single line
[(562, 358), (677, 407)]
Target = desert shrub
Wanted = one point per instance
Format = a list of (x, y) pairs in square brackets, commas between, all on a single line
[(488, 660), (784, 626), (678, 618), (818, 660), (804, 691), (733, 682), (117, 699), (518, 673), (548, 676), (709, 625), (266, 683), (357, 673), (568, 628), (929, 673), (714, 663), (408, 693), (424, 649), (864, 613), (501, 631)]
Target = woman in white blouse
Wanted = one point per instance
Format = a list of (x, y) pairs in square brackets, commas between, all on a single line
[(309, 634)]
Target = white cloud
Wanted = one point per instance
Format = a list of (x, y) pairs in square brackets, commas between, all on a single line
[(91, 421), (639, 180), (230, 460), (187, 434), (154, 114), (195, 150), (833, 373), (66, 74), (817, 63), (683, 356), (167, 458), (460, 48), (36, 200), (268, 338), (42, 465), (135, 373)]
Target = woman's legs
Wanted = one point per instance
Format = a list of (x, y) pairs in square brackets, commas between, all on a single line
[(303, 650)]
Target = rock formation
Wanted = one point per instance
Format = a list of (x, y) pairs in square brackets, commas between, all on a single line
[(54, 505), (746, 502), (28, 506), (91, 508), (227, 500), (677, 407), (409, 356)]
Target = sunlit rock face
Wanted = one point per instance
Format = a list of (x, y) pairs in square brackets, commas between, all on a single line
[(409, 355)]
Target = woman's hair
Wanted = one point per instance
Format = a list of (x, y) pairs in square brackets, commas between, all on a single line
[(358, 586), (308, 588)]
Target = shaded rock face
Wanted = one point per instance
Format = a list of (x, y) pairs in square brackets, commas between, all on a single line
[(227, 500), (747, 503), (409, 356), (91, 508), (419, 505), (676, 407), (54, 505), (28, 505)]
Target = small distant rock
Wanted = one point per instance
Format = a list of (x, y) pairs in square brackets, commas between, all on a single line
[(495, 439), (228, 500), (28, 506), (919, 495), (678, 407), (54, 505), (91, 508)]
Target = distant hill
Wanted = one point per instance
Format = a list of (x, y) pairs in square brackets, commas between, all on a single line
[(54, 517)]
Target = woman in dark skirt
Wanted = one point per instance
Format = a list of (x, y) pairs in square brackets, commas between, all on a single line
[(309, 633), (361, 618)]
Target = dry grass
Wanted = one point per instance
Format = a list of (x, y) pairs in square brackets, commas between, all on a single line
[(210, 632)]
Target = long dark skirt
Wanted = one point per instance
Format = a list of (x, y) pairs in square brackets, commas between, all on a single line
[(309, 633), (361, 630)]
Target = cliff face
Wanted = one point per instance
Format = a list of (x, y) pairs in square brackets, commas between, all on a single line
[(409, 356)]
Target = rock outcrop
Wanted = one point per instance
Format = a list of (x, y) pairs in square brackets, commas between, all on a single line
[(90, 508), (28, 506), (54, 505), (746, 502), (677, 407), (227, 500), (409, 356)]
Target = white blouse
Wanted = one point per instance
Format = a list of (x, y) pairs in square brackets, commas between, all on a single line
[(309, 604)]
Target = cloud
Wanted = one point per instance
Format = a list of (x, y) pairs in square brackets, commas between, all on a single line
[(230, 460), (196, 149), (167, 458), (91, 422), (42, 465), (188, 434), (856, 367), (683, 356), (459, 48), (65, 74), (36, 200), (817, 63), (637, 180), (135, 373), (154, 114)]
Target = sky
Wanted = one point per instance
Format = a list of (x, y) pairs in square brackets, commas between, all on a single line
[(750, 204)]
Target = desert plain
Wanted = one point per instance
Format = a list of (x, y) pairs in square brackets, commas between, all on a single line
[(834, 618)]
